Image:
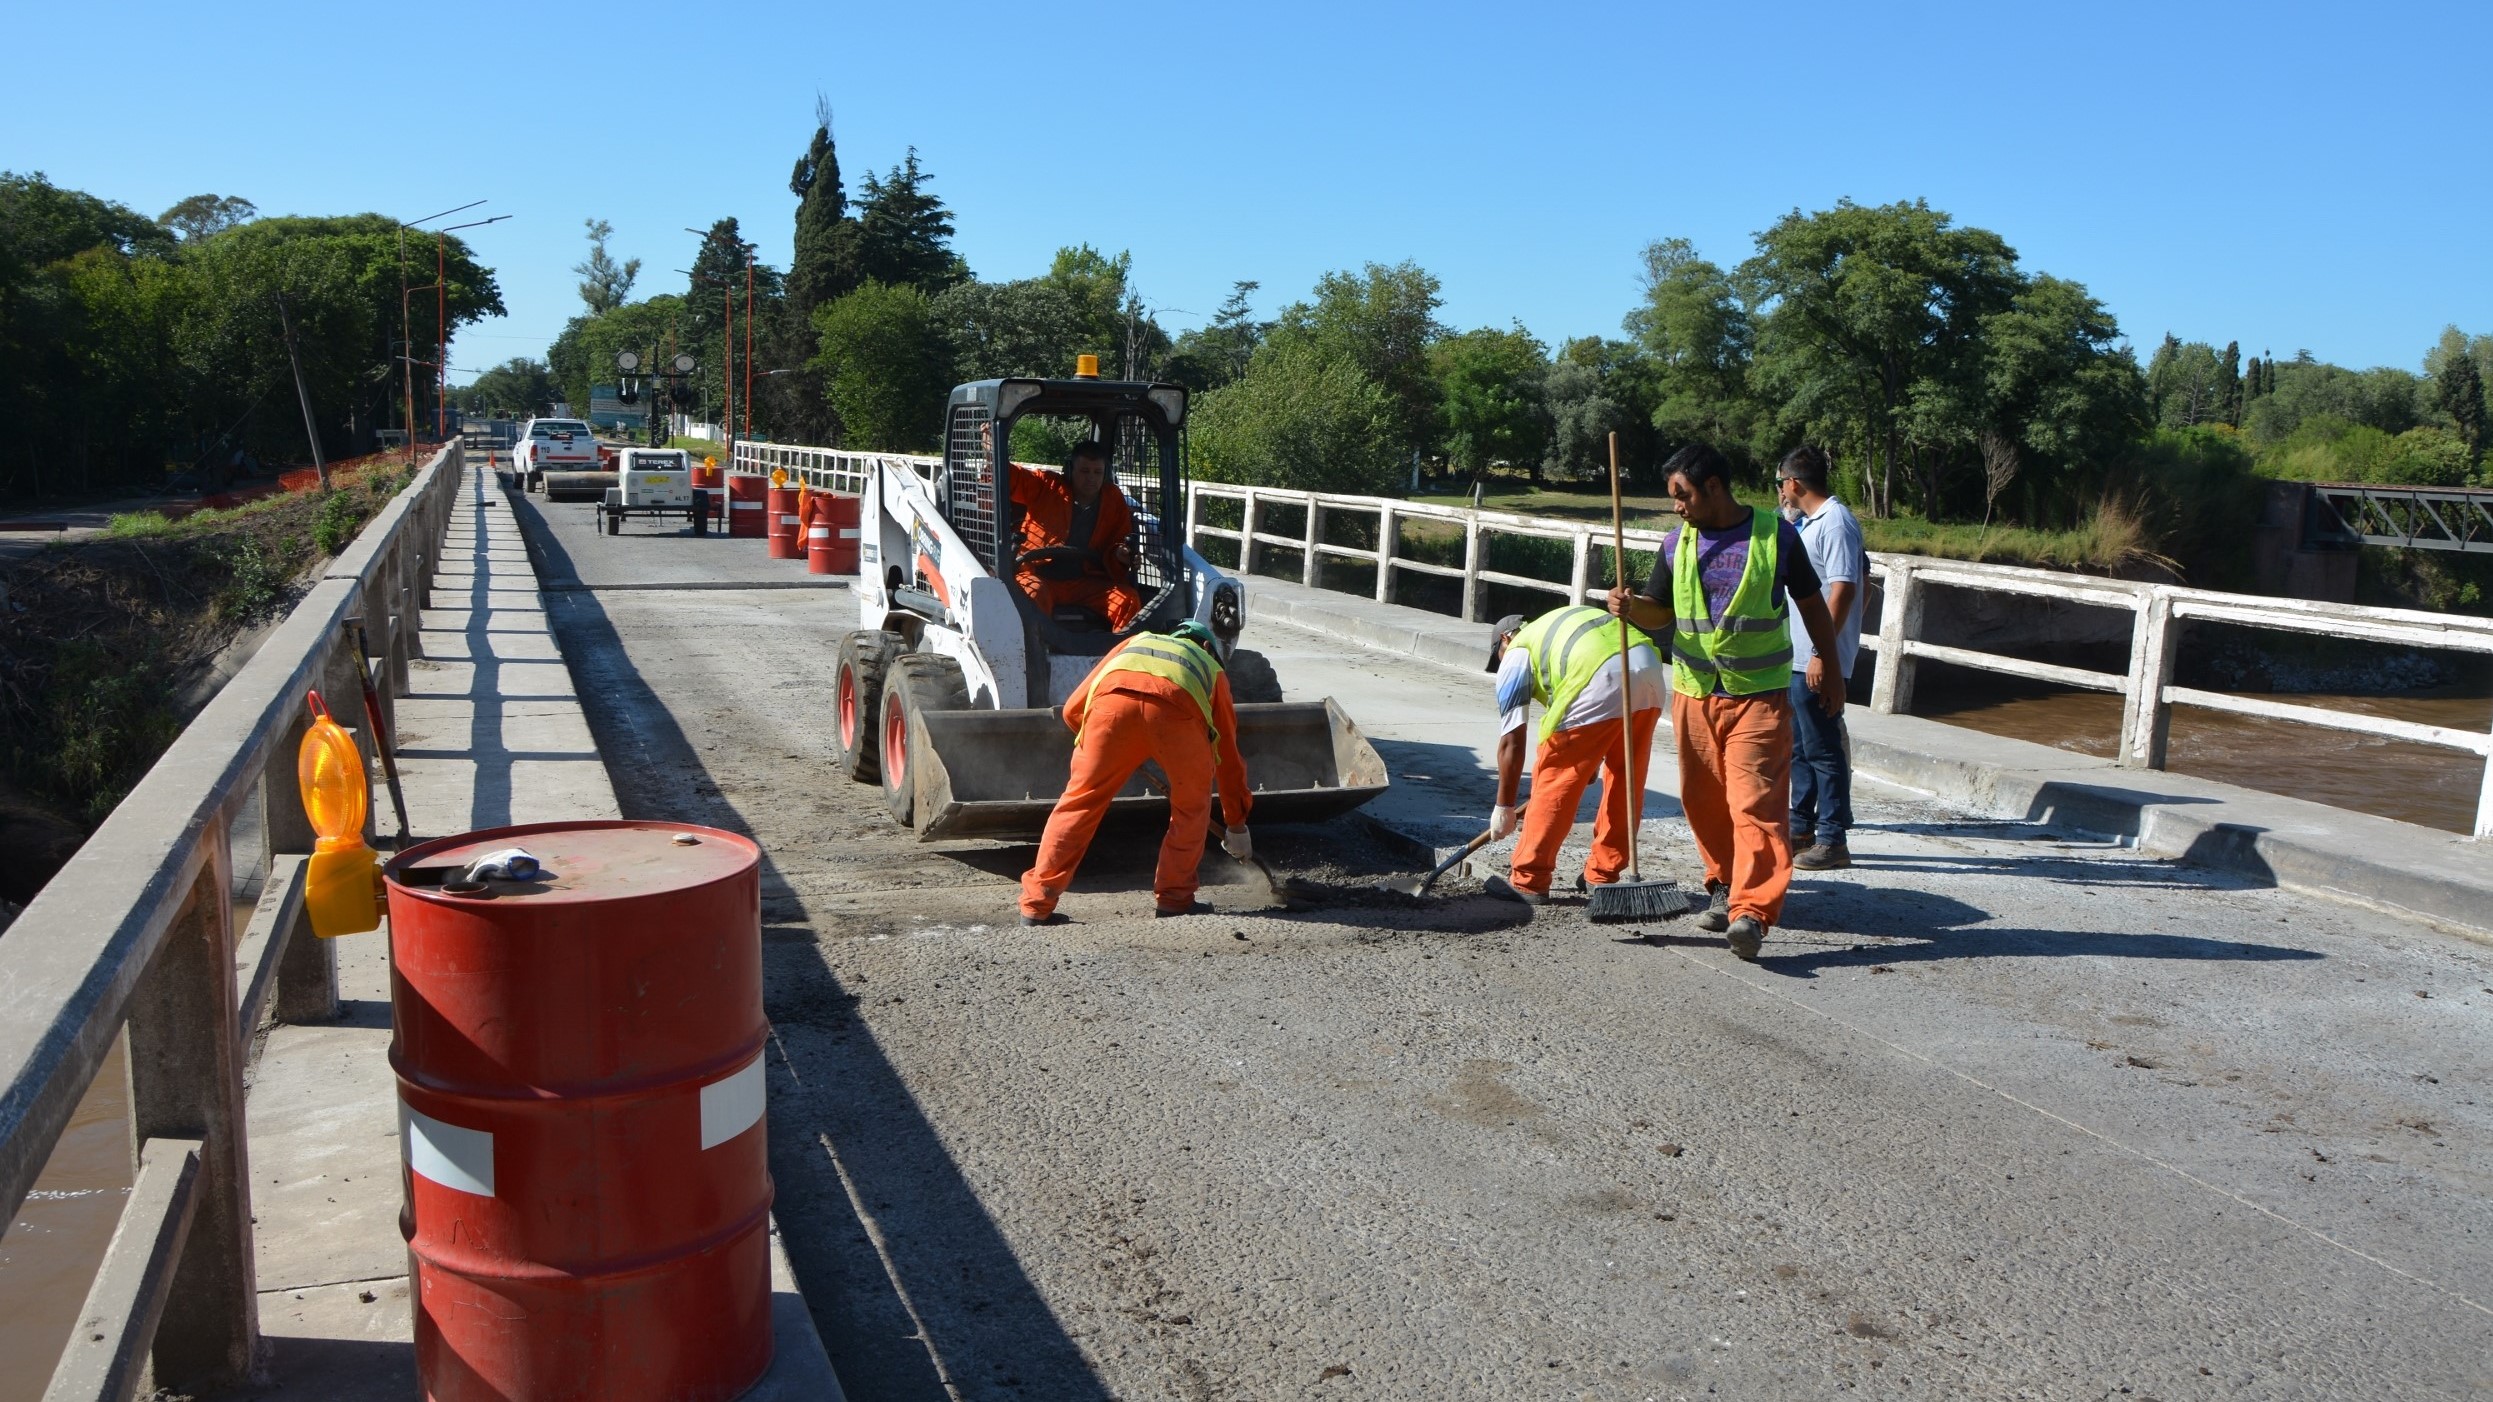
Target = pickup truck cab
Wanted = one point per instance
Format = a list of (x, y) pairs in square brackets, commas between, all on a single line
[(654, 482), (552, 445)]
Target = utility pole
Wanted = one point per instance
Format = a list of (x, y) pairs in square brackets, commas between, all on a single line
[(311, 428)]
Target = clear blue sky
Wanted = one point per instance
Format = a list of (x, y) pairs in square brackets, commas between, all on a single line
[(2288, 175)]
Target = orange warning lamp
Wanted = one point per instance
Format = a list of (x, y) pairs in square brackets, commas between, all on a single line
[(1086, 367), (779, 477), (341, 893)]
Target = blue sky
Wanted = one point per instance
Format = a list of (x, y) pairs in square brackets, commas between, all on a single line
[(2291, 176)]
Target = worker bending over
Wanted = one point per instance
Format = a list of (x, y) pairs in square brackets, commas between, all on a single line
[(1568, 660), (1160, 697), (1081, 520), (1724, 588)]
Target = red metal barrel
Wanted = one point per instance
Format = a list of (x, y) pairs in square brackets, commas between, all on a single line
[(787, 539), (747, 504), (831, 535), (580, 1110), (704, 475)]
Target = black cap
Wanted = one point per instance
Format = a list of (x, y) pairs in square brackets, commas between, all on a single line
[(1497, 636)]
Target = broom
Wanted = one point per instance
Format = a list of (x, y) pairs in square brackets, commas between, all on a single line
[(1633, 899)]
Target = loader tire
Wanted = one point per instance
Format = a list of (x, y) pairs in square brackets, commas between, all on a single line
[(1251, 677), (918, 682), (857, 702)]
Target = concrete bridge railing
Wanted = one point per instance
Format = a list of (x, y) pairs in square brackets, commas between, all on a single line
[(138, 933), (2162, 613)]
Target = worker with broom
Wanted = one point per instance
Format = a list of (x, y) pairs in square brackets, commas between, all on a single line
[(1568, 661), (1155, 697), (1723, 589)]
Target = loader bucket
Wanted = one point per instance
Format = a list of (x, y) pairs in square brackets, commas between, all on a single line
[(998, 773)]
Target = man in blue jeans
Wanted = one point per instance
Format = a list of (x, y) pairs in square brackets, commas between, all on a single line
[(1821, 758)]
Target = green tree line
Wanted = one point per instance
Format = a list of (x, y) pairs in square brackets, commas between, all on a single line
[(136, 344)]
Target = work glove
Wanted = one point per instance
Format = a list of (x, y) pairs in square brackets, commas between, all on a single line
[(1237, 843), (1501, 822)]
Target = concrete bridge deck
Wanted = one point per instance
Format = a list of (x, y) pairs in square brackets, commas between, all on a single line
[(492, 733), (2007, 1110)]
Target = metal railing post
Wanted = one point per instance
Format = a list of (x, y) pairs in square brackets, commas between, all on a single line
[(1308, 558), (1388, 536), (1247, 520), (1471, 569), (2146, 717), (186, 1083), (1899, 623)]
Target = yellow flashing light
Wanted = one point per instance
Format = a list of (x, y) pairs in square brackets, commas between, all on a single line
[(341, 891), (1086, 367)]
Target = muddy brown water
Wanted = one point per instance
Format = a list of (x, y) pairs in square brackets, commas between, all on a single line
[(2420, 784), (49, 1255)]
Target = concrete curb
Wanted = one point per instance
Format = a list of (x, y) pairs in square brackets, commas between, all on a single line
[(2419, 873)]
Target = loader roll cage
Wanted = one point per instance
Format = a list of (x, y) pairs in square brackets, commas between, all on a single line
[(1140, 423)]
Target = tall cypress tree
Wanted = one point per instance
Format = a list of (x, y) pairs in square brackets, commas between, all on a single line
[(2229, 383), (904, 233), (2460, 388), (823, 268)]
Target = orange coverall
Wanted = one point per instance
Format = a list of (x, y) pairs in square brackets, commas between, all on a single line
[(1735, 787), (1047, 519), (1134, 717), (1561, 772)]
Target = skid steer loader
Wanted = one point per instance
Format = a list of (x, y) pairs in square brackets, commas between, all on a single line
[(946, 694)]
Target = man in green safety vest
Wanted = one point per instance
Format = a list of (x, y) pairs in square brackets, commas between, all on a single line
[(1723, 591), (1568, 660), (1155, 697)]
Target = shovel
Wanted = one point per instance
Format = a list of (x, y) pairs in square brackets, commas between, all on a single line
[(1418, 885)]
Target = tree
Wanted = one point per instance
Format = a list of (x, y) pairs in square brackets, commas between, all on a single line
[(1489, 387), (2229, 382), (1299, 418), (2459, 390), (519, 387), (583, 357), (1583, 413), (200, 216), (604, 283), (904, 233), (1000, 329), (822, 269), (885, 364), (1381, 321), (1217, 354), (1699, 339), (2058, 396), (1863, 309), (2189, 384)]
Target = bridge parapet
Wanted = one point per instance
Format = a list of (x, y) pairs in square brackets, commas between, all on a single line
[(138, 932), (2161, 613)]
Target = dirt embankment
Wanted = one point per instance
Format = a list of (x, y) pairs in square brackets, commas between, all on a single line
[(105, 645)]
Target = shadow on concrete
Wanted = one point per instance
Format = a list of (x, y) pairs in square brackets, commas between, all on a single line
[(2067, 871), (2102, 808), (900, 1262)]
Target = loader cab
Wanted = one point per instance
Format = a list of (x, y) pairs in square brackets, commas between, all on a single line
[(990, 424)]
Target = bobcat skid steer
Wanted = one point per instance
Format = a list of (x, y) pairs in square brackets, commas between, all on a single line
[(945, 694)]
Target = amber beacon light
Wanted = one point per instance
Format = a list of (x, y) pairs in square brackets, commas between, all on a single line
[(342, 891)]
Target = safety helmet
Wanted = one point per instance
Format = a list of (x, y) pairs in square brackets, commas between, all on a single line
[(1197, 634)]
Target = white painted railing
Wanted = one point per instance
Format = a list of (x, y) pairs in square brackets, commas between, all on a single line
[(823, 469), (2161, 613), (137, 934)]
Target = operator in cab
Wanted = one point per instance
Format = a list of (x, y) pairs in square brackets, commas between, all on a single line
[(1156, 697), (1076, 532)]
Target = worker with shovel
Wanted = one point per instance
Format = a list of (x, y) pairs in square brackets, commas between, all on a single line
[(1568, 660), (1154, 697)]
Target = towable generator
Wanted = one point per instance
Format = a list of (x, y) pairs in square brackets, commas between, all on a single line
[(946, 694)]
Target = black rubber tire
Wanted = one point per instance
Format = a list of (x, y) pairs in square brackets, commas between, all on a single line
[(701, 513), (917, 683), (614, 521), (1251, 677), (857, 697)]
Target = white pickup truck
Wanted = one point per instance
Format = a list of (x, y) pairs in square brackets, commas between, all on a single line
[(654, 482), (552, 445)]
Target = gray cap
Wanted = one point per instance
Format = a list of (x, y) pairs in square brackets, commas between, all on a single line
[(1497, 636)]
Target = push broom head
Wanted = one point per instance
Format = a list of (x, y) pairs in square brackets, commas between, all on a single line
[(1635, 902)]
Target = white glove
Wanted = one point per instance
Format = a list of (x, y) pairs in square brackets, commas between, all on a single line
[(1237, 843), (1501, 822)]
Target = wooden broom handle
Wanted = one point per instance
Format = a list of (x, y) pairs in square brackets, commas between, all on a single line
[(1627, 671)]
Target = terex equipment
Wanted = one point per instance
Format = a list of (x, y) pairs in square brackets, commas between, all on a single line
[(944, 694), (654, 482)]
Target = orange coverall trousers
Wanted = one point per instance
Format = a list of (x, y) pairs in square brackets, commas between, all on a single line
[(1117, 599), (1735, 783), (1121, 730), (1561, 772)]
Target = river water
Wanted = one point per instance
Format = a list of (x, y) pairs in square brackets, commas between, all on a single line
[(49, 1255), (2420, 784)]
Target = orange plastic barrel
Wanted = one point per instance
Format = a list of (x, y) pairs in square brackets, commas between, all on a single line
[(580, 1109), (747, 504), (831, 535), (787, 541)]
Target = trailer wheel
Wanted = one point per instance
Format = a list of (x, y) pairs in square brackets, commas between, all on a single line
[(857, 702), (1251, 677), (918, 682)]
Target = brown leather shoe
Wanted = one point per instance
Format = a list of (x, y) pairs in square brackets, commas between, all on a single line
[(1823, 856)]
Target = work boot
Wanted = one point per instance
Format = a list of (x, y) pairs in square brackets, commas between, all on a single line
[(1163, 912), (1504, 889), (1717, 916), (1823, 856), (1745, 936), (1053, 917)]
